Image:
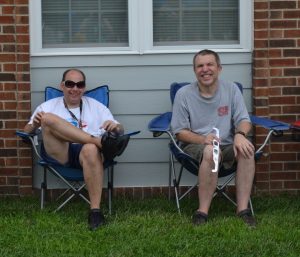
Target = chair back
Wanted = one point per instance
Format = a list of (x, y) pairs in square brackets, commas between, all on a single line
[(101, 94), (175, 87)]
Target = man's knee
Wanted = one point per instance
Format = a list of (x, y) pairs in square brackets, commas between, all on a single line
[(90, 152), (48, 119), (208, 154)]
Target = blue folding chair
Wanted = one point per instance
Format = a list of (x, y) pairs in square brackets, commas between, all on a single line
[(161, 125), (72, 178)]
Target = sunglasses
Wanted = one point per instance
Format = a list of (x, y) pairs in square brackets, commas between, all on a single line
[(71, 84)]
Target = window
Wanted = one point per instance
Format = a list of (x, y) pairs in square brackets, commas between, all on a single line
[(190, 22), (138, 26), (89, 23)]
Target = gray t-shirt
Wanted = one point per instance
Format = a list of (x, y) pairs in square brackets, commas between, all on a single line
[(225, 110)]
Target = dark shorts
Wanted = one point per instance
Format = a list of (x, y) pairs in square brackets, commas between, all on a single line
[(228, 161), (73, 160)]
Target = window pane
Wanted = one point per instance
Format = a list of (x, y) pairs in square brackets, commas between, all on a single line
[(184, 22), (88, 23)]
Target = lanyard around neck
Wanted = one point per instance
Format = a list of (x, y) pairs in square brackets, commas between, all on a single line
[(73, 115)]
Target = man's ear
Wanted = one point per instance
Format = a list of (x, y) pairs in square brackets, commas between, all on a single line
[(61, 85)]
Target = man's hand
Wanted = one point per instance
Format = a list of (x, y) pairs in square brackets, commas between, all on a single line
[(243, 146), (37, 120), (210, 138), (36, 123), (111, 126)]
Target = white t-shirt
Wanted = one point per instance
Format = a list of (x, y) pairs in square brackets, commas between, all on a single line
[(93, 115)]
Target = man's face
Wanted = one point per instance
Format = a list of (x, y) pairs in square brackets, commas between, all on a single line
[(73, 94), (207, 70)]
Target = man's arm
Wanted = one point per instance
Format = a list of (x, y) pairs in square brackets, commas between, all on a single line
[(190, 137)]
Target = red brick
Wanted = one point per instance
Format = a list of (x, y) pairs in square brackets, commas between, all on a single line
[(282, 62), (276, 34), (292, 72), (261, 73), (261, 15), (276, 72), (261, 43), (7, 20), (291, 109), (283, 24), (276, 15), (292, 184), (276, 185), (292, 33), (261, 24), (8, 10), (275, 109), (261, 5), (276, 166), (291, 14), (283, 43), (283, 175), (282, 4), (283, 82), (259, 82), (259, 34)]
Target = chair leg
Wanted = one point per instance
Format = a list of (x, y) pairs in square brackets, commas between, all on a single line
[(170, 176), (110, 181), (251, 206), (43, 188), (175, 182)]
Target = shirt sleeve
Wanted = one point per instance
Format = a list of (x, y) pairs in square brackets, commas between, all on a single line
[(180, 116)]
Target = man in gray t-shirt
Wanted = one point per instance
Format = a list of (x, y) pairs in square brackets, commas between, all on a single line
[(202, 106)]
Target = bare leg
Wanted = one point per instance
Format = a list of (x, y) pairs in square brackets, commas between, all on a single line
[(91, 161), (57, 133), (244, 181), (207, 180)]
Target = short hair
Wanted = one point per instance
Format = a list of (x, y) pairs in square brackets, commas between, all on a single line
[(67, 71), (207, 52)]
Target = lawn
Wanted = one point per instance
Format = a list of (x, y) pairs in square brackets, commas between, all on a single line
[(150, 227)]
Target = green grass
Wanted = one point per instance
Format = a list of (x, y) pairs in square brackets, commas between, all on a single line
[(150, 227)]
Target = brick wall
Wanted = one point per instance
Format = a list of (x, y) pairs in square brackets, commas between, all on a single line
[(276, 90), (15, 172)]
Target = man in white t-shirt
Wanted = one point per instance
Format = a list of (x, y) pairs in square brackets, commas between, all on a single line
[(75, 134), (198, 109)]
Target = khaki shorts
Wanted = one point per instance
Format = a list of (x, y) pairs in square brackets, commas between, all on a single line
[(227, 154)]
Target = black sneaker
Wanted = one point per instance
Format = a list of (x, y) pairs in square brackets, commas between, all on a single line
[(199, 218), (113, 146), (95, 219), (247, 217)]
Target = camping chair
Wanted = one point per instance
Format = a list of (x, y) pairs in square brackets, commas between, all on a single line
[(161, 125), (72, 178)]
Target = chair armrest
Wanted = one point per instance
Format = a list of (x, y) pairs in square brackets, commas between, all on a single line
[(26, 137), (269, 124), (160, 124), (275, 128)]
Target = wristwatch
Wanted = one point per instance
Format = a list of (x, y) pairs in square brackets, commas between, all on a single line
[(241, 132)]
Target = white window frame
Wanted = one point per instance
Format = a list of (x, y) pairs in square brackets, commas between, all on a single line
[(140, 25)]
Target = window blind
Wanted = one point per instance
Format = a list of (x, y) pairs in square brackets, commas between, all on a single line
[(78, 23), (190, 22)]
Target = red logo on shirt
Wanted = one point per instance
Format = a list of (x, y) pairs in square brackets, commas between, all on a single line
[(223, 110)]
